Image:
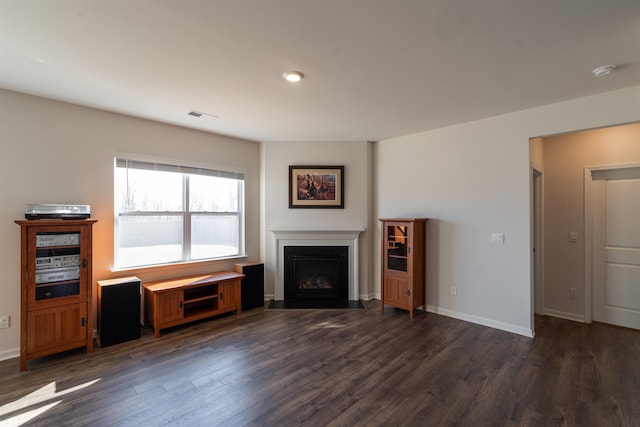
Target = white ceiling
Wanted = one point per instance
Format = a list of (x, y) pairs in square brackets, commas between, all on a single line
[(374, 69)]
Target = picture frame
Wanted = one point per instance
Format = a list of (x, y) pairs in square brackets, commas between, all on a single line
[(316, 187)]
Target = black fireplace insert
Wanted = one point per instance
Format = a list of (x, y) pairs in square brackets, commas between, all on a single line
[(316, 274)]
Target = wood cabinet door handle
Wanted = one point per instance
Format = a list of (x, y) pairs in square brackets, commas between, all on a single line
[(408, 292), (181, 304), (83, 322)]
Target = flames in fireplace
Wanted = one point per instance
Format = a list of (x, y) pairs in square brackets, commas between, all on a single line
[(315, 282)]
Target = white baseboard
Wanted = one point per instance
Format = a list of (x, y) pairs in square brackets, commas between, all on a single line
[(481, 321), (365, 297), (461, 316), (10, 354), (564, 315)]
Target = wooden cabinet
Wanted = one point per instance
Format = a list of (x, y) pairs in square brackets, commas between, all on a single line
[(171, 307), (56, 285), (228, 298), (174, 302), (403, 263), (56, 327)]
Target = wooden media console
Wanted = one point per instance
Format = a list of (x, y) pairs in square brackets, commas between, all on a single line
[(174, 302)]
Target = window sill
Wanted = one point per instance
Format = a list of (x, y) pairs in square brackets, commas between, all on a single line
[(189, 265)]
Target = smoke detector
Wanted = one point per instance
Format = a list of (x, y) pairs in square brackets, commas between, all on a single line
[(603, 70)]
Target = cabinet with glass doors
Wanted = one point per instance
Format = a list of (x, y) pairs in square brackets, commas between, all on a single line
[(56, 304), (403, 263)]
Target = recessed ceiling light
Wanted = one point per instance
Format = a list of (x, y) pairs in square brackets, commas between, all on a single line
[(293, 76), (603, 70)]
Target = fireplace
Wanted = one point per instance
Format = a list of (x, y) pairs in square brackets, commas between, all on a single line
[(316, 274), (318, 237)]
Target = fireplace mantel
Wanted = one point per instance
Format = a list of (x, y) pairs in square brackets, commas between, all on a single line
[(316, 237)]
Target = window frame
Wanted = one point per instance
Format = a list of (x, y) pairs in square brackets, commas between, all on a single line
[(185, 169)]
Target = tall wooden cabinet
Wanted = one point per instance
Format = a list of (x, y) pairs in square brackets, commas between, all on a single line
[(403, 263), (56, 284)]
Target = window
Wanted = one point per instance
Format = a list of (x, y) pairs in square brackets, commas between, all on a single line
[(170, 213)]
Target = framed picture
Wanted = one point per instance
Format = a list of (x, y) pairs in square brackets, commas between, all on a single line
[(316, 187)]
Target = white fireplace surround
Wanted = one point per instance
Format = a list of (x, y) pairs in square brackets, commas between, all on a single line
[(317, 238)]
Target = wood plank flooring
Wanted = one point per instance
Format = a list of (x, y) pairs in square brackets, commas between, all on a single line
[(337, 368)]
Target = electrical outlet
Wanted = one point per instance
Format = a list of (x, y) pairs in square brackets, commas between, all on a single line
[(4, 322), (454, 290), (573, 293)]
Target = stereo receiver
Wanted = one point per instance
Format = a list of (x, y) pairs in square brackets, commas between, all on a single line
[(46, 263), (47, 240), (57, 275)]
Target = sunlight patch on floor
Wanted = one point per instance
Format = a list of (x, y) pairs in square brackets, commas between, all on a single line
[(328, 325), (41, 395), (25, 417)]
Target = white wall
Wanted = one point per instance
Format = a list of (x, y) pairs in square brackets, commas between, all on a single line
[(472, 180), (565, 158), (53, 152), (356, 159), (536, 153)]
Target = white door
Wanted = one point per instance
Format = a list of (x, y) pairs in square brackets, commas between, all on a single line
[(616, 246)]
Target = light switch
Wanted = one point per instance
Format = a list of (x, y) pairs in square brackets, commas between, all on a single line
[(573, 236), (497, 238)]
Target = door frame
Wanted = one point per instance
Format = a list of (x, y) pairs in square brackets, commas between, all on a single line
[(588, 233), (537, 240)]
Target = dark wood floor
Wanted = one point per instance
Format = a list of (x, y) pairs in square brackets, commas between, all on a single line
[(338, 368)]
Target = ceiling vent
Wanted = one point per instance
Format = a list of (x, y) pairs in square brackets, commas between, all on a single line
[(195, 113)]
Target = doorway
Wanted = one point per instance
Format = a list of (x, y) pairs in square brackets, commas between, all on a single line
[(561, 236), (612, 261)]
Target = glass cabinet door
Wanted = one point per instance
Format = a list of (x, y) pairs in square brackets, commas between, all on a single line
[(57, 265), (397, 244)]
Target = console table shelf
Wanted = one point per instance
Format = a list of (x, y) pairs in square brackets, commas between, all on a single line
[(177, 301)]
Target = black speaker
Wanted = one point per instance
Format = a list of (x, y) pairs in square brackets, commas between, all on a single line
[(118, 310), (252, 289)]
